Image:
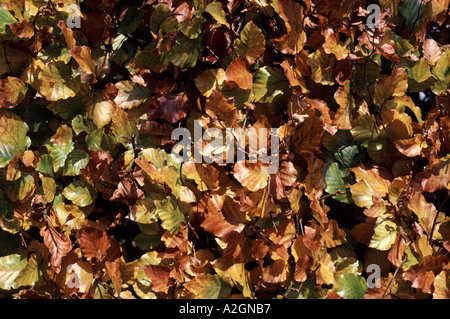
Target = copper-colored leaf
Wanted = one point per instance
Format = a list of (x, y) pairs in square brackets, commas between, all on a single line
[(238, 73), (94, 243), (58, 245)]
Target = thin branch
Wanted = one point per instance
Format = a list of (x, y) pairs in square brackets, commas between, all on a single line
[(430, 239)]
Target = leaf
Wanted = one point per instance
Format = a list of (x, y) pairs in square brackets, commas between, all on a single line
[(94, 243), (159, 277), (130, 94), (334, 177), (442, 285), (31, 274), (419, 76), (422, 275), (431, 52), (411, 10), (384, 236), (346, 101), (170, 214), (208, 287), (6, 18), (223, 216), (411, 147), (131, 20), (82, 54), (215, 9), (251, 43), (12, 91), (186, 52), (241, 278), (321, 65), (254, 176), (209, 80), (238, 73), (81, 193), (21, 189), (436, 177), (268, 83), (425, 211), (55, 80), (58, 245), (387, 87), (350, 286), (13, 137), (171, 107), (10, 268), (162, 19), (75, 162)]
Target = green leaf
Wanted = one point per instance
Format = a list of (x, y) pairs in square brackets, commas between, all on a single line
[(68, 108), (59, 154), (76, 160), (21, 189), (350, 286), (31, 273), (334, 177), (186, 52), (170, 214), (163, 19), (215, 9), (81, 193), (420, 77), (385, 234), (149, 238), (192, 28), (252, 43), (268, 83), (131, 21), (6, 18), (147, 58), (13, 137), (130, 94), (442, 71), (411, 10), (10, 268), (208, 287)]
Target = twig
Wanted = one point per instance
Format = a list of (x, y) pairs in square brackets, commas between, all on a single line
[(385, 294), (430, 239)]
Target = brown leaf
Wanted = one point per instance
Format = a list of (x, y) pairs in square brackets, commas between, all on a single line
[(113, 269), (221, 110), (159, 277), (127, 192), (238, 73), (58, 245), (170, 107), (68, 35), (254, 176), (422, 276), (431, 51), (24, 29), (411, 147), (222, 216), (397, 251), (82, 54), (94, 243), (277, 272)]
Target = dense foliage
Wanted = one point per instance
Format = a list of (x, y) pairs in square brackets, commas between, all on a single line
[(94, 205)]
